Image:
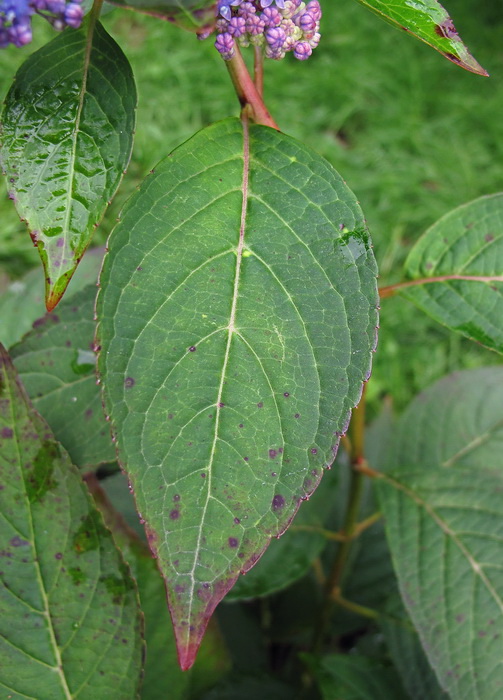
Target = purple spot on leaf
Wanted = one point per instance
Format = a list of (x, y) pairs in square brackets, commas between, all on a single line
[(260, 404), (175, 514), (237, 521), (278, 502), (297, 415), (7, 433), (273, 453), (58, 555), (192, 348), (176, 497), (18, 542), (314, 450), (233, 542), (129, 382)]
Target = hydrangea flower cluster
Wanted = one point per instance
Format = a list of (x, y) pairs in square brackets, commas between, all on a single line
[(277, 25), (15, 18)]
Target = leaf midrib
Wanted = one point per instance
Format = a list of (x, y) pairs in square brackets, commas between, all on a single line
[(231, 330)]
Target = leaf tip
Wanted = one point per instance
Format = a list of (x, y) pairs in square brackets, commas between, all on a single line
[(191, 614), (55, 289)]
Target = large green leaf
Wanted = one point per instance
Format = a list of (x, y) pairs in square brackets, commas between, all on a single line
[(69, 615), (345, 677), (56, 362), (460, 259), (67, 134), (23, 301), (428, 21), (194, 15), (444, 523), (237, 317)]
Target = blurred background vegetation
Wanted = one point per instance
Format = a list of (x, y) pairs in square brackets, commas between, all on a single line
[(412, 134)]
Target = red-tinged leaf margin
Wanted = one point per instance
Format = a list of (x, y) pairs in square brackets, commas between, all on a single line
[(438, 32)]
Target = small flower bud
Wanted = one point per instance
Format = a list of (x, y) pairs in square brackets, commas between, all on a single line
[(224, 44), (271, 17), (275, 37), (302, 50), (237, 26)]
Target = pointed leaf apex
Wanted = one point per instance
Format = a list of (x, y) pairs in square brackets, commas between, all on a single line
[(190, 620), (56, 287)]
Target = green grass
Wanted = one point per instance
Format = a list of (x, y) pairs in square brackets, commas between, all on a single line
[(411, 133)]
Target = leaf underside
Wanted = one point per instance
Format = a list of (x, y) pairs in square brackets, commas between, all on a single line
[(67, 134), (462, 255), (428, 21), (69, 616), (444, 518), (237, 317)]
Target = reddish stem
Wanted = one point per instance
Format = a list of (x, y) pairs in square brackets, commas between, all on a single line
[(248, 95), (258, 69), (393, 288)]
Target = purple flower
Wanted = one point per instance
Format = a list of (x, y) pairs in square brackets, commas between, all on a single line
[(277, 25), (307, 22), (302, 50), (275, 37), (237, 26), (254, 25), (15, 18), (224, 44), (73, 15), (314, 9), (271, 17)]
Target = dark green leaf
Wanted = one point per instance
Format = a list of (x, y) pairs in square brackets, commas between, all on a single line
[(428, 21), (69, 616), (67, 134), (444, 516), (251, 688), (194, 15), (56, 362), (237, 321), (23, 302), (355, 678), (461, 257)]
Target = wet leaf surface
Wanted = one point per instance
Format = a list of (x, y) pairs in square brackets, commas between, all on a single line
[(67, 134)]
